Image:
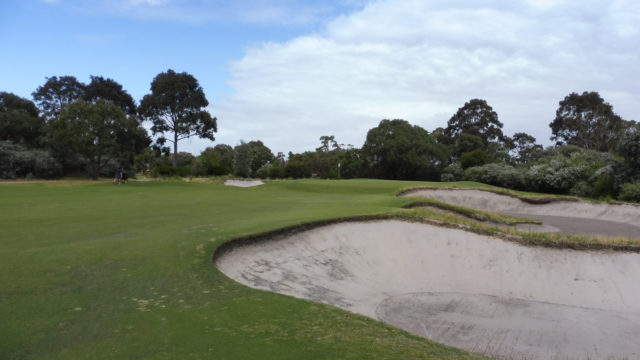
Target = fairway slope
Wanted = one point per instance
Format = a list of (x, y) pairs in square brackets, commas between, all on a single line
[(573, 217), (472, 291)]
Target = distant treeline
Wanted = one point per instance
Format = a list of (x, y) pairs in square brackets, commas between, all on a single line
[(73, 128)]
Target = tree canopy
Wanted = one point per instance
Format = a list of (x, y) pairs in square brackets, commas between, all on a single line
[(19, 120), (109, 90), (100, 132), (525, 147), (176, 104), (57, 93), (587, 121), (397, 150), (476, 118)]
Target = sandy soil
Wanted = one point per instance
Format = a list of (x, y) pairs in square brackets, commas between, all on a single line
[(575, 217), (459, 288), (243, 183)]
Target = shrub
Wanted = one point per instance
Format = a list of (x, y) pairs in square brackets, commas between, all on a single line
[(263, 171), (603, 186), (496, 174), (276, 171), (170, 171), (570, 169), (630, 192), (581, 188), (452, 172), (17, 161)]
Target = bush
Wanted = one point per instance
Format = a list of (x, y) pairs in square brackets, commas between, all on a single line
[(630, 192), (570, 169), (603, 186), (263, 171), (581, 188), (276, 171), (296, 170), (452, 172), (171, 171), (496, 174), (16, 161)]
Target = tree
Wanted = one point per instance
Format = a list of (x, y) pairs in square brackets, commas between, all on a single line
[(216, 160), (99, 132), (476, 118), (629, 147), (525, 147), (260, 155), (473, 158), (176, 104), (57, 93), (242, 159), (397, 150), (586, 121), (109, 90), (328, 143), (19, 121)]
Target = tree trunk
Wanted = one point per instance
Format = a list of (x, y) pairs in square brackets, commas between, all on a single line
[(175, 149)]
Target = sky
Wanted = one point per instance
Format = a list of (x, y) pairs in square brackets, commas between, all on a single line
[(289, 71)]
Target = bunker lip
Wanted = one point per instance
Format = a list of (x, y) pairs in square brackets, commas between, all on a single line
[(572, 216), (409, 273), (243, 183)]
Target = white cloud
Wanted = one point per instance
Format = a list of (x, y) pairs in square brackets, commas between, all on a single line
[(422, 60)]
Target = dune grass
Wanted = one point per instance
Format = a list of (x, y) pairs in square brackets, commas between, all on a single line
[(90, 270)]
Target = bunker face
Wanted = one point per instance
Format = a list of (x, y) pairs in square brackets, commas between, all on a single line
[(574, 217), (471, 291), (243, 183)]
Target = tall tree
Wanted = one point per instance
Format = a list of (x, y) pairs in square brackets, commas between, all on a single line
[(397, 150), (176, 104), (586, 121), (109, 90), (260, 155), (99, 132), (242, 159), (475, 118), (19, 120), (525, 147), (57, 93)]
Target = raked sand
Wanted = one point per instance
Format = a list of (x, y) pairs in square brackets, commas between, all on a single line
[(471, 291)]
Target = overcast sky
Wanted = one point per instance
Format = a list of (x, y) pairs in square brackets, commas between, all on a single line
[(287, 72)]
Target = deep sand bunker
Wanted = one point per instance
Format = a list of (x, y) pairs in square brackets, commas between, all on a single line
[(472, 291), (573, 217)]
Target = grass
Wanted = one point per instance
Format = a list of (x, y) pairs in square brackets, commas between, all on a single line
[(471, 213), (100, 271), (94, 270)]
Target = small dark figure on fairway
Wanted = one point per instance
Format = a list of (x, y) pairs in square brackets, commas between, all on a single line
[(121, 177)]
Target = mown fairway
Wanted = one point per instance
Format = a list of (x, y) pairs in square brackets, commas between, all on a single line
[(97, 271)]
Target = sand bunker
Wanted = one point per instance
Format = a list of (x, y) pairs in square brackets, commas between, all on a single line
[(472, 291), (243, 183), (575, 217)]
